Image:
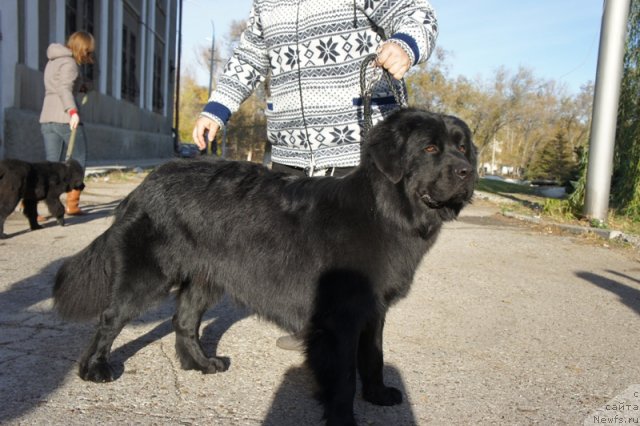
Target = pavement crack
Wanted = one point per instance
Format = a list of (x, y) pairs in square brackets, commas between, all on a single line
[(176, 381)]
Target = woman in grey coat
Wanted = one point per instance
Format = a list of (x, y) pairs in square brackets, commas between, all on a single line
[(60, 114)]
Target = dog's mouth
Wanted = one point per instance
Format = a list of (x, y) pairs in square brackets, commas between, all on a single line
[(430, 201)]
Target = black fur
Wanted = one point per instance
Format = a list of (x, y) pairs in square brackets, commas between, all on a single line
[(322, 256), (33, 182)]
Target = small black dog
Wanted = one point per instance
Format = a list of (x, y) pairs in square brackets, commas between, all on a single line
[(33, 182), (322, 256)]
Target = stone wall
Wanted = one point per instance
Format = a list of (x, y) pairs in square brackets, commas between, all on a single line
[(116, 130), (23, 140)]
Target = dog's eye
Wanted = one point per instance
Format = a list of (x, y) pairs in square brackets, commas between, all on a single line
[(462, 149), (431, 149)]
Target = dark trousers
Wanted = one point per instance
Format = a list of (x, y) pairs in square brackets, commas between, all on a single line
[(297, 171), (56, 140)]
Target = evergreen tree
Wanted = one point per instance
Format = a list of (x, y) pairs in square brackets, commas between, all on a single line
[(554, 162)]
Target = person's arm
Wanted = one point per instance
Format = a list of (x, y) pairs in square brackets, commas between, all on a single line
[(64, 89), (411, 27), (247, 67)]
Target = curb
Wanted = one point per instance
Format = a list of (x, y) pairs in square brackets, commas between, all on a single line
[(100, 168), (607, 234)]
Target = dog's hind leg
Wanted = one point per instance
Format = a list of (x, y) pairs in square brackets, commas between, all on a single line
[(370, 366), (194, 298), (31, 212), (94, 364), (8, 203), (55, 208)]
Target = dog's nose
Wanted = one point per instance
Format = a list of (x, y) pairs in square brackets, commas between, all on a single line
[(462, 172)]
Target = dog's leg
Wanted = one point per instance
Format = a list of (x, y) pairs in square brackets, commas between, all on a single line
[(56, 208), (331, 355), (343, 305), (370, 366), (3, 217), (94, 364), (193, 300), (8, 204), (31, 212)]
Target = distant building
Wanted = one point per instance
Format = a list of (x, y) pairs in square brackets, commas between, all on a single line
[(129, 112)]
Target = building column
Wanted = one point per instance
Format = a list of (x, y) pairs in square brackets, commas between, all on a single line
[(116, 50), (165, 65), (31, 34), (57, 25), (104, 46), (151, 41), (143, 54)]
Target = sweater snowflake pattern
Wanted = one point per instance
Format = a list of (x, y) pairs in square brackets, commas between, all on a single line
[(311, 51)]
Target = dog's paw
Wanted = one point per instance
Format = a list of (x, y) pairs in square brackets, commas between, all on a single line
[(342, 422), (382, 395), (3, 236), (36, 227), (216, 365), (60, 221), (99, 372)]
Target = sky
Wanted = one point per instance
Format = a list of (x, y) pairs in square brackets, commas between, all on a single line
[(556, 39)]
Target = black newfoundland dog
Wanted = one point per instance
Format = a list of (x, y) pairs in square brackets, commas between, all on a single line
[(33, 182), (323, 256)]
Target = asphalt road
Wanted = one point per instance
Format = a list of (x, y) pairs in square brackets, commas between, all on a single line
[(506, 323)]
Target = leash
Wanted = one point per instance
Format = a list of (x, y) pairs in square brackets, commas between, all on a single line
[(369, 76), (72, 142), (72, 138)]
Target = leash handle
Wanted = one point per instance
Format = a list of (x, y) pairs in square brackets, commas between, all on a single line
[(72, 142), (72, 138), (399, 93)]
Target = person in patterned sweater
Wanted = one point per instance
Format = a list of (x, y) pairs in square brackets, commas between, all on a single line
[(311, 52)]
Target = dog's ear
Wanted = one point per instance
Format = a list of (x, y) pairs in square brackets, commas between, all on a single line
[(461, 134), (384, 147)]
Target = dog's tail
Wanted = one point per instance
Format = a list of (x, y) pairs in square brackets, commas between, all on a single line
[(82, 288)]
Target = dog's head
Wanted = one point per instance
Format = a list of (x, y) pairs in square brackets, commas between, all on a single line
[(74, 177), (430, 156)]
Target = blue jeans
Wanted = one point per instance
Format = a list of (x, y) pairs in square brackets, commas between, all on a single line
[(56, 140)]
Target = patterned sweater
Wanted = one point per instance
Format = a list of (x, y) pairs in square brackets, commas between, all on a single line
[(311, 51)]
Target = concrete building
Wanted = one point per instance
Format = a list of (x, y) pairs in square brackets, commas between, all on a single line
[(128, 112)]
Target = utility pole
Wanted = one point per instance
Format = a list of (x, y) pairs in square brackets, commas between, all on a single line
[(213, 54), (179, 60), (605, 108), (494, 168), (212, 147)]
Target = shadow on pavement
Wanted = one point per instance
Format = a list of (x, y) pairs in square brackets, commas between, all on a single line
[(38, 350), (92, 212), (224, 315), (294, 403), (628, 295)]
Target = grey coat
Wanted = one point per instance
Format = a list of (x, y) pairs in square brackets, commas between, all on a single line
[(60, 76)]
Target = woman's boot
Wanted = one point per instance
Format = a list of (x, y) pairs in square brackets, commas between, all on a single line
[(73, 199)]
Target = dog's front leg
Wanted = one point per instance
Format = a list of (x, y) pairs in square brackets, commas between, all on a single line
[(371, 364), (331, 355)]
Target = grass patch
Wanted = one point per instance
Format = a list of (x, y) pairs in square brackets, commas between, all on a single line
[(127, 175), (501, 187), (529, 201)]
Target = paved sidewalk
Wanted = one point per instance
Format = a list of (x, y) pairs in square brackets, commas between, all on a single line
[(506, 324)]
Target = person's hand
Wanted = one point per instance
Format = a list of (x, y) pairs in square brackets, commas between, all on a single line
[(204, 124), (394, 59), (74, 121)]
